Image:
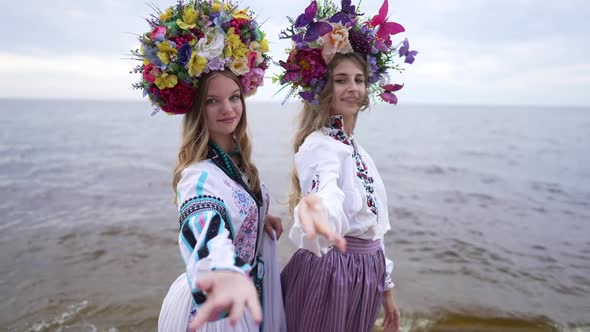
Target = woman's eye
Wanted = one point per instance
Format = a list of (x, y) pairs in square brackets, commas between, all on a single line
[(235, 97), (210, 101)]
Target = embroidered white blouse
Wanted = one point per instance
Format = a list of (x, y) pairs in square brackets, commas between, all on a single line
[(219, 221), (344, 176)]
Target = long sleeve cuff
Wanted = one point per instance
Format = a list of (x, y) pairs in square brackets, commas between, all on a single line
[(388, 270)]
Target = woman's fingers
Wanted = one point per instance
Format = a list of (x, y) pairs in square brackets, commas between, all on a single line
[(204, 314), (278, 227), (340, 243), (314, 221), (236, 312), (306, 219), (255, 309), (268, 229), (226, 291), (273, 223)]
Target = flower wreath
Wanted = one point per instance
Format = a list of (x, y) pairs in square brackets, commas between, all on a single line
[(190, 39), (323, 30)]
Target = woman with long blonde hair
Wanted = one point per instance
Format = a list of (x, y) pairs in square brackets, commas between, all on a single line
[(339, 280), (337, 193), (201, 58), (223, 207)]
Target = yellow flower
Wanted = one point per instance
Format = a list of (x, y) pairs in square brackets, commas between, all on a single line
[(165, 51), (196, 64), (241, 14), (264, 45), (216, 7), (166, 15), (189, 19), (239, 66), (166, 81), (234, 47)]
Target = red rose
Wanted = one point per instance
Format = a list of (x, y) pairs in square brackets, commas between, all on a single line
[(179, 99)]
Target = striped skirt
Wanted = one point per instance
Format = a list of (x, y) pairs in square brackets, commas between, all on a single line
[(336, 292)]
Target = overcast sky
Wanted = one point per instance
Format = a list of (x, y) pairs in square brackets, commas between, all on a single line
[(471, 51)]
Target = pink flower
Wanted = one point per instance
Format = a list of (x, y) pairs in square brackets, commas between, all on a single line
[(159, 33), (335, 41), (150, 72), (252, 80), (304, 65), (252, 56)]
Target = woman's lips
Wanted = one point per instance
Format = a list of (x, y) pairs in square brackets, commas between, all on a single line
[(350, 100), (227, 120)]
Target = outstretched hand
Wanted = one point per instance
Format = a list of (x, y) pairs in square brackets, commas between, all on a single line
[(273, 223), (314, 220), (226, 291)]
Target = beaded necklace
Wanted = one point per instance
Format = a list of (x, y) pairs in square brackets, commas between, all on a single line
[(225, 156), (224, 162)]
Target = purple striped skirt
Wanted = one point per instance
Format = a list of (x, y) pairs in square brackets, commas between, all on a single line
[(336, 292)]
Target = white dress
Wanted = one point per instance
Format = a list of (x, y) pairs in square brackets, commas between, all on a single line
[(220, 223)]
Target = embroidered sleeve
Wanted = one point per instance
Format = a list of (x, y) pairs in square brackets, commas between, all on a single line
[(388, 270), (318, 167), (206, 234)]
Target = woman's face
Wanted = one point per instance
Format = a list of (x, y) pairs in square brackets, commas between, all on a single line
[(223, 106), (348, 88)]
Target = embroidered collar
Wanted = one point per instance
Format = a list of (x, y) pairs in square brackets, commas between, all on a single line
[(335, 129), (226, 164)]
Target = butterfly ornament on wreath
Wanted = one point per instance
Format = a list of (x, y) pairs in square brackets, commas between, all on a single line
[(314, 29), (385, 29)]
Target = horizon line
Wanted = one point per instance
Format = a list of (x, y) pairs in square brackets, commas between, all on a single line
[(128, 100)]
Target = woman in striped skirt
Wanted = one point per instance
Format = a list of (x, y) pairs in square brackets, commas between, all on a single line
[(338, 193), (338, 281)]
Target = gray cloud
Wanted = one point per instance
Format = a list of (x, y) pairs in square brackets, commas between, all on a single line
[(470, 51)]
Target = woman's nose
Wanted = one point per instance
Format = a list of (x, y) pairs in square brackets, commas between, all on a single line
[(226, 106)]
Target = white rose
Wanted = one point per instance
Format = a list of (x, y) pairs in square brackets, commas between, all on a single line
[(211, 46), (239, 66)]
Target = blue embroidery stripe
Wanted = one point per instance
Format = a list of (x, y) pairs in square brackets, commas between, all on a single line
[(201, 183)]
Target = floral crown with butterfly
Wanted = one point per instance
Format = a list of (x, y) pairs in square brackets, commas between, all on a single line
[(324, 30), (190, 39)]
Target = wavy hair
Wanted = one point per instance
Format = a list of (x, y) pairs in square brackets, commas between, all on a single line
[(195, 135), (315, 117)]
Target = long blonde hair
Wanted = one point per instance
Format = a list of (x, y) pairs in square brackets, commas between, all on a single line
[(315, 117), (195, 136)]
